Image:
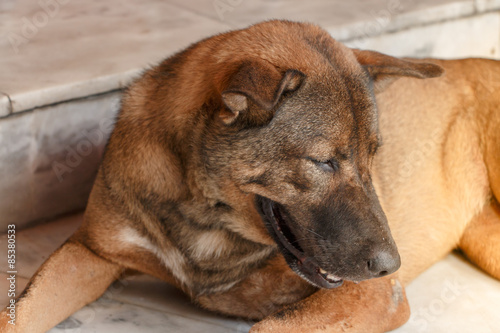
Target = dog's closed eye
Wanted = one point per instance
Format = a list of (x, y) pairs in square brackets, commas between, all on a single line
[(330, 165)]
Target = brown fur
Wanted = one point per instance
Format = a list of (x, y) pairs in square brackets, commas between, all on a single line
[(439, 153), (282, 112), (381, 301)]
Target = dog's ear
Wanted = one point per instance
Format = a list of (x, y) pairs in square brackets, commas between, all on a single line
[(385, 69), (260, 82)]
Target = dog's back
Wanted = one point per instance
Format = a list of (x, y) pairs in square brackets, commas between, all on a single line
[(440, 161)]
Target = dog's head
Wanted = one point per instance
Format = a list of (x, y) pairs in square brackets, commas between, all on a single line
[(300, 136)]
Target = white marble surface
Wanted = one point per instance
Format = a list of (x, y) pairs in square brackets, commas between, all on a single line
[(110, 316), (474, 36), (452, 296), (5, 107), (58, 50), (344, 19), (486, 5), (49, 157), (81, 48)]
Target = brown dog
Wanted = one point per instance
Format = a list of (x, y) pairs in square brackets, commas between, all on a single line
[(239, 170)]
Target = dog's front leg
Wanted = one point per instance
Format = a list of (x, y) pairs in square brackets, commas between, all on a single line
[(72, 277), (372, 306)]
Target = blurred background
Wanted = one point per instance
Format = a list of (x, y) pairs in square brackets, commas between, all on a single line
[(64, 63)]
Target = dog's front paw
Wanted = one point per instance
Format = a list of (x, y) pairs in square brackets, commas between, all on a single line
[(373, 306)]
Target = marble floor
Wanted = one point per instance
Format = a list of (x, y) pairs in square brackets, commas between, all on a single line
[(452, 296)]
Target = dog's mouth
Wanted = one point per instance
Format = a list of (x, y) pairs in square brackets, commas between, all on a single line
[(305, 266)]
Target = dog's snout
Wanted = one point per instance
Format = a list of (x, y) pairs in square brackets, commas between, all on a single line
[(383, 262)]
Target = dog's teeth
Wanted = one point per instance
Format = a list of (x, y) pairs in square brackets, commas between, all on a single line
[(322, 271), (332, 277)]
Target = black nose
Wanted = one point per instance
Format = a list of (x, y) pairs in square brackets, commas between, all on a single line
[(383, 262)]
